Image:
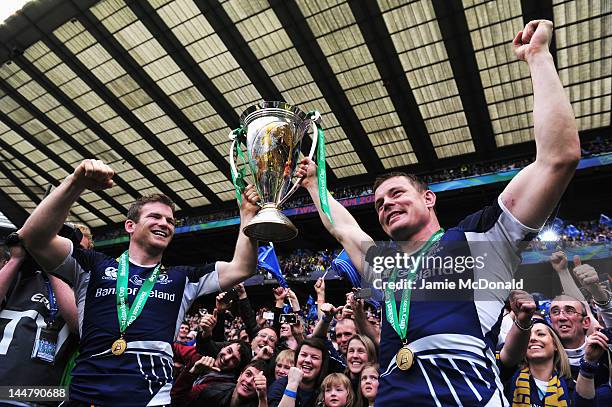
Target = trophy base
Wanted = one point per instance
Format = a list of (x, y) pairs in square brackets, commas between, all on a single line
[(270, 225)]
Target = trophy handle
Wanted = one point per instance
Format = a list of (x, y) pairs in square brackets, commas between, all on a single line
[(231, 156), (313, 148)]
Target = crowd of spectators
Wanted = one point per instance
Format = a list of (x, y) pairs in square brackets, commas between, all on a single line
[(326, 354)]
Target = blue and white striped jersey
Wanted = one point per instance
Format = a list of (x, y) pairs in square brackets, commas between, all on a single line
[(142, 376), (453, 333)]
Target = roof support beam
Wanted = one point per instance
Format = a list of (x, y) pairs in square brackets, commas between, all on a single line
[(456, 36), (19, 183), (315, 61), (34, 167), (11, 209), (112, 46), (242, 53), (377, 37), (65, 137)]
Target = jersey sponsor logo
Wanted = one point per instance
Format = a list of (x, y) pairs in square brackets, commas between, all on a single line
[(103, 292), (38, 297), (161, 279), (110, 273)]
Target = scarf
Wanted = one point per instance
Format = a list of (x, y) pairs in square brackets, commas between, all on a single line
[(556, 392)]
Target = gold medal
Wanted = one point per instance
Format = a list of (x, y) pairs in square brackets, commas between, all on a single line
[(119, 346), (404, 358)]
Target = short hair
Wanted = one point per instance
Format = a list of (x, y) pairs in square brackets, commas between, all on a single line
[(245, 354), (287, 354), (335, 379), (567, 297), (260, 365), (136, 207), (416, 182), (344, 320)]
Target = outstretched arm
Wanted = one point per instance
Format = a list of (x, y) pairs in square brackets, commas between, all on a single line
[(39, 233), (345, 228), (534, 192), (244, 263)]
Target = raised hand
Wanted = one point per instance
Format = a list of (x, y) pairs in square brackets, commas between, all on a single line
[(93, 175), (207, 323), (294, 377), (206, 363), (249, 206), (307, 170), (220, 305), (240, 291), (280, 294), (320, 287), (261, 385), (534, 38), (328, 309), (585, 273), (558, 260), (265, 353), (596, 344), (523, 306)]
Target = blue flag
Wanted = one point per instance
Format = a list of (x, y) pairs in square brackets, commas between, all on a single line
[(266, 259), (344, 267), (557, 225), (572, 231), (604, 220), (312, 309)]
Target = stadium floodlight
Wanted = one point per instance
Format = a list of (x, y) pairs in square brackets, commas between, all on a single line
[(548, 235)]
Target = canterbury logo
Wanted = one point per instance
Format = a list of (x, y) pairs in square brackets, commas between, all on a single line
[(38, 297), (110, 273)]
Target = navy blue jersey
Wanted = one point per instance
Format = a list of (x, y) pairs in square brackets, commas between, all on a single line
[(453, 333), (142, 376)]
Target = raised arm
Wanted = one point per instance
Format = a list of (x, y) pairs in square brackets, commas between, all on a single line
[(534, 192), (244, 263), (517, 340), (10, 269), (39, 233), (345, 228)]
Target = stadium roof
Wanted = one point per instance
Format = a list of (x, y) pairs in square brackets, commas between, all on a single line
[(153, 88)]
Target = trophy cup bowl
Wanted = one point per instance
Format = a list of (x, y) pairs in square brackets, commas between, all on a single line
[(274, 133)]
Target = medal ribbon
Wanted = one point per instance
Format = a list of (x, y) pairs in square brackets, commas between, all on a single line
[(321, 172), (400, 322), (126, 317)]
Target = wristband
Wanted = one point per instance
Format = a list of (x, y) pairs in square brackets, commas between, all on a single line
[(521, 328), (588, 369), (603, 303), (290, 393)]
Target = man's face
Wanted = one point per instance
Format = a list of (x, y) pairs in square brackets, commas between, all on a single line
[(245, 384), (402, 210), (265, 337), (183, 332), (344, 331), (228, 358), (310, 361), (567, 320), (154, 228)]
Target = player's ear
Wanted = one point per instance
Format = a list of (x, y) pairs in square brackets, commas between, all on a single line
[(430, 198), (129, 225)]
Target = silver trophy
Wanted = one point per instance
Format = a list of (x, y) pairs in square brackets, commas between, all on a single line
[(273, 133)]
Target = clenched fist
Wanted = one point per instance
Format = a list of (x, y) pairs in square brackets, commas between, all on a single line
[(533, 39), (93, 175)]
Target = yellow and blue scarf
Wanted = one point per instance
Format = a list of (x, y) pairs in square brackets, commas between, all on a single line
[(557, 394)]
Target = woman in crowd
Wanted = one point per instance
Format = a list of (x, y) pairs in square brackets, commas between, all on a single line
[(544, 378), (369, 383), (301, 386), (336, 391), (360, 351)]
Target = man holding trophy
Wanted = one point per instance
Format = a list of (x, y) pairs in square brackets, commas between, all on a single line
[(436, 352)]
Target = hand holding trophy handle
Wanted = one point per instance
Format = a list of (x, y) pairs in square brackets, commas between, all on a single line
[(313, 148), (235, 139)]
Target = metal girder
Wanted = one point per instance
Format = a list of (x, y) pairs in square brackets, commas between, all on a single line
[(305, 43), (34, 167), (456, 36), (377, 37), (112, 46), (219, 20)]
